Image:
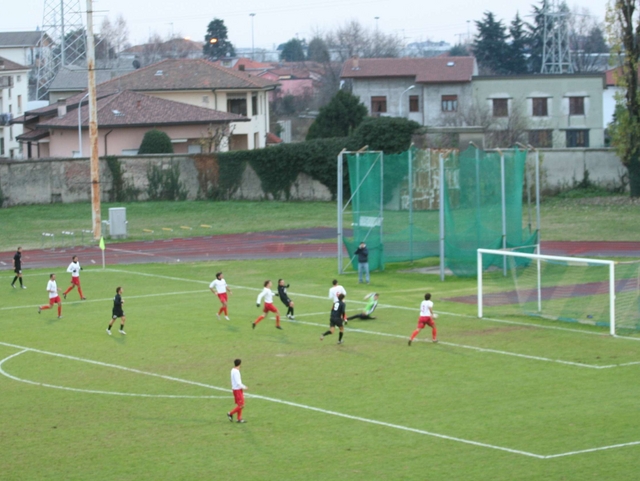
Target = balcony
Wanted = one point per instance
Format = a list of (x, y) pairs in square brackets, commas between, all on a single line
[(5, 119), (6, 82)]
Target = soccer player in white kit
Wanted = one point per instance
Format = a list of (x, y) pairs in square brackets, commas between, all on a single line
[(74, 269), (267, 294), (238, 392), (219, 286), (335, 290), (54, 297), (426, 319)]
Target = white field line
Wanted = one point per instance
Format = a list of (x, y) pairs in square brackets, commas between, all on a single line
[(312, 408), (93, 391)]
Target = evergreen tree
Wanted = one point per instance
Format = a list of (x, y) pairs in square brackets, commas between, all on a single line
[(155, 142), (490, 45), (339, 117), (318, 50), (516, 62), (216, 44), (293, 51), (459, 50), (535, 37)]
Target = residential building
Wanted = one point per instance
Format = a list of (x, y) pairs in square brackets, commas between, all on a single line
[(123, 119), (24, 47), (422, 89), (195, 82), (558, 111), (14, 91)]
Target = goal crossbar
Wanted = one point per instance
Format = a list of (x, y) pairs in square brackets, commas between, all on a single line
[(541, 257)]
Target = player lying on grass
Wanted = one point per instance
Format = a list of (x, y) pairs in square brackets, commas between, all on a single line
[(267, 294), (368, 309)]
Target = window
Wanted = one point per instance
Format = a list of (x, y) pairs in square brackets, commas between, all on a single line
[(194, 149), (500, 107), (254, 105), (237, 106), (1, 146), (577, 138), (449, 103), (539, 107), (576, 105), (19, 104), (205, 99), (414, 103), (378, 105), (541, 138)]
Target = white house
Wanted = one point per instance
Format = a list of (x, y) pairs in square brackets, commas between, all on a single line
[(14, 90)]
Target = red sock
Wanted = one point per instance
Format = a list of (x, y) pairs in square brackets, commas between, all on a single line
[(42, 308), (59, 309), (277, 320), (434, 333), (68, 290), (259, 319), (414, 334), (226, 311), (80, 292), (221, 310)]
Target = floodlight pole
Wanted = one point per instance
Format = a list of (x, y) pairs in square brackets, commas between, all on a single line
[(410, 168), (479, 254), (504, 210), (381, 214), (441, 214), (93, 126), (80, 126), (340, 201)]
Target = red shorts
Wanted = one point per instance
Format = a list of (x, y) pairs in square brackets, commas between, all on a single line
[(75, 281), (238, 396), (269, 308), (54, 300), (425, 321), (223, 297)]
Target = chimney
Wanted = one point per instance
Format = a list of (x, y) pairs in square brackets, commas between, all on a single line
[(356, 64), (62, 107), (241, 67), (138, 103)]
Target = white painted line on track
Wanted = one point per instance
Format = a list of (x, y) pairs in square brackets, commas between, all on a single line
[(310, 408), (93, 391)]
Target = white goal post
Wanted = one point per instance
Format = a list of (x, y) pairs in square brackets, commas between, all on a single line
[(538, 289)]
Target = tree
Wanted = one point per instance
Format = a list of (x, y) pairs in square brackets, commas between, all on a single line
[(389, 134), (586, 41), (339, 117), (490, 45), (318, 50), (624, 30), (516, 61), (215, 137), (155, 142), (292, 51), (535, 37), (116, 34), (459, 50), (216, 44), (353, 39)]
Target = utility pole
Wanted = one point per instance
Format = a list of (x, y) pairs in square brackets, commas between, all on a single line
[(93, 127), (253, 52)]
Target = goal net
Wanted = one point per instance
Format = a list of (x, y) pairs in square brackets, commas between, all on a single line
[(579, 290)]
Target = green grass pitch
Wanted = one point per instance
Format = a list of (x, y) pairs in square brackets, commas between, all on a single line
[(496, 399)]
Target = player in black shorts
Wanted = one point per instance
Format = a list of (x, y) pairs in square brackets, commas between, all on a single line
[(338, 314), (117, 311), (284, 297), (17, 268)]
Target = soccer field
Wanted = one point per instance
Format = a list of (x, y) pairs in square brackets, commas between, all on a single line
[(498, 399)]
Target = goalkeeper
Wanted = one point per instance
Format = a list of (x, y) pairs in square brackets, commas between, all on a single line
[(284, 297), (369, 308)]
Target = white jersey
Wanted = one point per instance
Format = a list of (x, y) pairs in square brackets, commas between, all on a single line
[(220, 285), (267, 294), (334, 291), (74, 269), (236, 380), (426, 309), (52, 288)]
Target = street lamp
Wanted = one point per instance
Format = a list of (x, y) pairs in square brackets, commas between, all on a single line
[(400, 101), (252, 44), (80, 126)]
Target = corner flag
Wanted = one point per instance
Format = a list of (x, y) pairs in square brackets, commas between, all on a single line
[(102, 243)]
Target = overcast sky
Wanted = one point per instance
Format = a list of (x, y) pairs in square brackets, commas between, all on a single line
[(277, 21)]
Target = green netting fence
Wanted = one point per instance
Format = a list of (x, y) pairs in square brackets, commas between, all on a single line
[(419, 203)]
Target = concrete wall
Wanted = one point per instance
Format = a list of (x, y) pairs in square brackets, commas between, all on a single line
[(68, 180)]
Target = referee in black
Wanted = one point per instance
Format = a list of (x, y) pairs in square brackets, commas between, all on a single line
[(117, 311), (17, 268), (284, 297)]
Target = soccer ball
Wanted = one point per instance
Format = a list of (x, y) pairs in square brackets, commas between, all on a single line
[(435, 316)]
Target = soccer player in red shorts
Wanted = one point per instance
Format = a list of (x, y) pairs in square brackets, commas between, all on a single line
[(74, 269), (238, 392), (54, 297), (267, 293), (426, 319), (219, 286)]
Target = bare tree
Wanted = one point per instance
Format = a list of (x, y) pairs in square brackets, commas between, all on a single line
[(586, 39), (353, 39), (216, 137), (116, 33)]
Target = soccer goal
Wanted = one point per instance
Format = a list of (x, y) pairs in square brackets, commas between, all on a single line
[(570, 289)]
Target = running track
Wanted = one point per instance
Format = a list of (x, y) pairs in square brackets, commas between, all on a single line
[(282, 244)]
